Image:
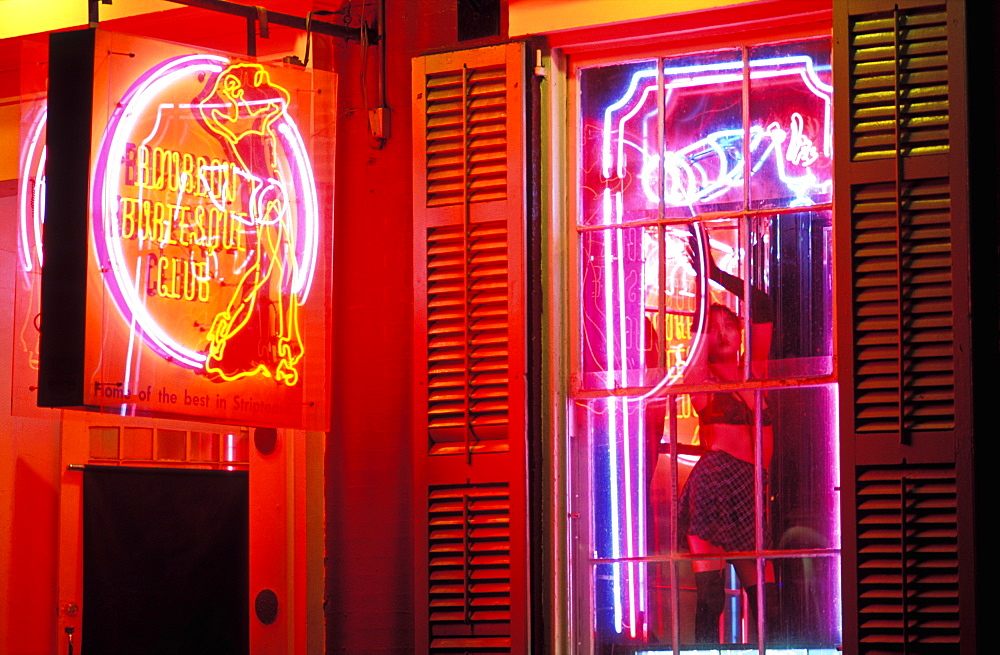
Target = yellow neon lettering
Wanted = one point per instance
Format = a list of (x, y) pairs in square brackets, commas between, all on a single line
[(152, 262), (161, 289), (183, 227), (161, 222), (157, 166), (131, 154), (190, 288), (174, 171), (145, 229), (201, 274), (127, 217), (684, 406), (143, 167), (199, 189), (187, 171), (199, 224), (177, 277)]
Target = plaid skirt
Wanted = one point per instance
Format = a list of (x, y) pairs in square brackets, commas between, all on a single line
[(717, 503)]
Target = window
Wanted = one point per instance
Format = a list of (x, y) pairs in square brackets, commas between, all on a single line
[(703, 409)]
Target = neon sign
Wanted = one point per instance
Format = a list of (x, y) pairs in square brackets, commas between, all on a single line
[(31, 206), (231, 216), (30, 213), (207, 258)]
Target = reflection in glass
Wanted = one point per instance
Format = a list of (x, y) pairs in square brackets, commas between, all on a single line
[(802, 607), (791, 114)]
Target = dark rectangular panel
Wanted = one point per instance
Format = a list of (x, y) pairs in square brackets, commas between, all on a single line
[(64, 273), (165, 561)]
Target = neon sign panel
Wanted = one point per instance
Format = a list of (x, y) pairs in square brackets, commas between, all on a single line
[(227, 221)]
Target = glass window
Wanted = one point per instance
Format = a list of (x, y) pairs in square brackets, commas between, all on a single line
[(704, 404)]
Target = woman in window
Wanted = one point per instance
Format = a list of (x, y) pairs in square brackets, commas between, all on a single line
[(717, 504)]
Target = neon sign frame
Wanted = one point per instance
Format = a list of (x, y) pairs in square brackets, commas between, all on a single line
[(104, 194), (186, 261), (682, 167)]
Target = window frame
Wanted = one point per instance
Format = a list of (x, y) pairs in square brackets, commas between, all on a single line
[(567, 230)]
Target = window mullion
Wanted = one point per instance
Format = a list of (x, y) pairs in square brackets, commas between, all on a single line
[(744, 222)]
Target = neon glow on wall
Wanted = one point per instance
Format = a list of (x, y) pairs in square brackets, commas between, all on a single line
[(31, 209), (790, 165), (214, 205)]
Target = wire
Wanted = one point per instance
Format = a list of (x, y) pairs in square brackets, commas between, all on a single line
[(364, 62), (309, 18)]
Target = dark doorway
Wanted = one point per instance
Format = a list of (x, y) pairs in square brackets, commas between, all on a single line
[(165, 561)]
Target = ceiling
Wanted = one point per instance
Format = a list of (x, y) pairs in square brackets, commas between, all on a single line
[(204, 28)]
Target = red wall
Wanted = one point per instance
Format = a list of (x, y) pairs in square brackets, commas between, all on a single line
[(369, 464), (369, 586)]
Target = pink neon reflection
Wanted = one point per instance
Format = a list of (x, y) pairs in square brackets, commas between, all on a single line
[(31, 210), (710, 166)]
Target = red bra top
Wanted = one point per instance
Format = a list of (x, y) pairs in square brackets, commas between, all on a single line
[(728, 407)]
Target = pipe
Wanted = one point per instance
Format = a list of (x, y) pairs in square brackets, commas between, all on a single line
[(285, 20)]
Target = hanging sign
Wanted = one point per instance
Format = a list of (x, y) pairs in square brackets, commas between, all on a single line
[(208, 223)]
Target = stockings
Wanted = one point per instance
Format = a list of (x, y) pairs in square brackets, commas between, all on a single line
[(711, 596), (771, 611)]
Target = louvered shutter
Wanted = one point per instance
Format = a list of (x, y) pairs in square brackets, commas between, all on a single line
[(902, 234), (469, 361), (908, 556)]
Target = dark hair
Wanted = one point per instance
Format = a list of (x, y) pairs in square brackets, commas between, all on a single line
[(730, 315)]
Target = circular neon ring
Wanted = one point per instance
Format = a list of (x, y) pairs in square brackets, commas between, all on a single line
[(104, 203)]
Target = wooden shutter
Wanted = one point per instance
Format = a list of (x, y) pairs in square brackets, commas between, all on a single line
[(907, 556), (904, 335), (469, 373)]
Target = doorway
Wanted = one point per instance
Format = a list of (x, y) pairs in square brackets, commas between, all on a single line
[(165, 560)]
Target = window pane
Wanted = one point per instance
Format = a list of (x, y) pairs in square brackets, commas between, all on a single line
[(137, 443), (803, 482), (802, 604), (703, 133), (615, 465), (620, 269), (671, 461), (791, 124), (204, 446), (790, 261), (236, 447), (170, 444), (103, 443)]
